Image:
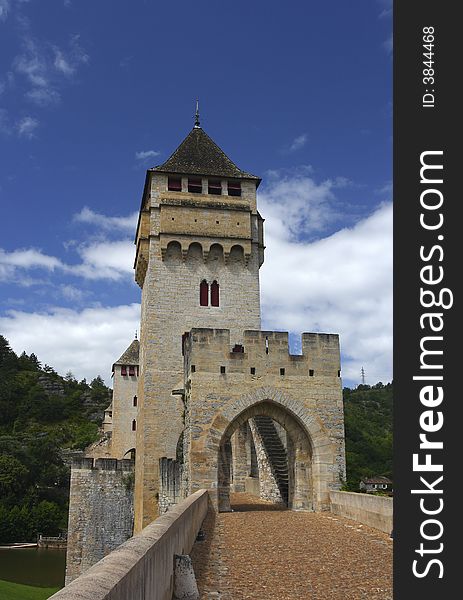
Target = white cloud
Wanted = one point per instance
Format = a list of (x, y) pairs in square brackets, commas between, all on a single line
[(14, 265), (44, 66), (127, 223), (106, 260), (26, 127), (29, 258), (62, 64), (85, 342), (32, 64), (298, 142), (144, 155), (339, 284), (100, 260), (72, 293), (295, 205), (67, 62)]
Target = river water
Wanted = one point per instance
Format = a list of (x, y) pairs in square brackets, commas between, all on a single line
[(43, 567)]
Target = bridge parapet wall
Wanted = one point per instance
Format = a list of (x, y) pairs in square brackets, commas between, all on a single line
[(142, 567), (371, 510)]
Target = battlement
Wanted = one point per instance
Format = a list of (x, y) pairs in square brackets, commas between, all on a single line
[(212, 350), (104, 464)]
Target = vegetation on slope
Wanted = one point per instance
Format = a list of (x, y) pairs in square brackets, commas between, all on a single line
[(41, 413), (368, 429)]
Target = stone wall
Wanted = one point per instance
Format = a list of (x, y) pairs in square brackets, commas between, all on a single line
[(100, 511), (374, 511), (171, 489), (142, 567)]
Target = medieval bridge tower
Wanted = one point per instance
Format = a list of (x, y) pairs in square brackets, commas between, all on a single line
[(213, 389), (205, 399)]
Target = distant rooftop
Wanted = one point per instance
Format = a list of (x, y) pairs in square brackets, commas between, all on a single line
[(130, 356), (378, 479)]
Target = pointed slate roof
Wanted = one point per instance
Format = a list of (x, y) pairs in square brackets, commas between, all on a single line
[(130, 356), (198, 154)]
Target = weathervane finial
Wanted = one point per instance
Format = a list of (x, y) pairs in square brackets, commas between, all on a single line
[(136, 334), (197, 114)]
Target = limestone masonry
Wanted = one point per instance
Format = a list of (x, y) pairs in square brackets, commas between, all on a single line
[(205, 399)]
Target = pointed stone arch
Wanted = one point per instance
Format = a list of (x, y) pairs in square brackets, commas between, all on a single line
[(314, 461)]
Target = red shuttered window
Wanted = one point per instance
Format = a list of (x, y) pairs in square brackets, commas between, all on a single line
[(234, 188), (174, 184), (214, 294), (195, 186), (214, 187), (204, 293)]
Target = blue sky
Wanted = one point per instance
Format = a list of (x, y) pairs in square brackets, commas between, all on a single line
[(93, 92)]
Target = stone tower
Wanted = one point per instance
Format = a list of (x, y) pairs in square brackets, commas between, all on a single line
[(199, 247), (206, 398), (125, 402)]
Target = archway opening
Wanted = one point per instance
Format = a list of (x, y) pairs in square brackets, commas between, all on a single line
[(265, 451), (130, 454)]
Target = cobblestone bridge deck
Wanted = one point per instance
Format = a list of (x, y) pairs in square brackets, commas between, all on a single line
[(260, 552)]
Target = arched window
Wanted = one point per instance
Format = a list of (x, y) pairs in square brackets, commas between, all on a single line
[(134, 425), (214, 293), (135, 401), (204, 293)]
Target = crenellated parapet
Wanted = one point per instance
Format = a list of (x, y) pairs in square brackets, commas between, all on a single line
[(261, 353), (124, 465)]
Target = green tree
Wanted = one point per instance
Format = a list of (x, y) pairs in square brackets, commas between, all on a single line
[(46, 518), (13, 477)]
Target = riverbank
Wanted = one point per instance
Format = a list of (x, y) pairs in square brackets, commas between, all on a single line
[(17, 591)]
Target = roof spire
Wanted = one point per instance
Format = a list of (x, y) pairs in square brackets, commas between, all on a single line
[(197, 115), (136, 334)]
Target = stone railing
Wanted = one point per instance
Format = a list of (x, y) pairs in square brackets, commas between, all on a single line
[(142, 567), (371, 510)]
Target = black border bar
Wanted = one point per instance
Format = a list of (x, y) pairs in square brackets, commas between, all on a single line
[(428, 264)]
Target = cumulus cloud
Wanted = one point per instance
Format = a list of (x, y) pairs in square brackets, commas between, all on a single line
[(127, 223), (340, 284), (99, 260), (94, 337), (106, 260), (14, 266), (295, 205), (298, 142)]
